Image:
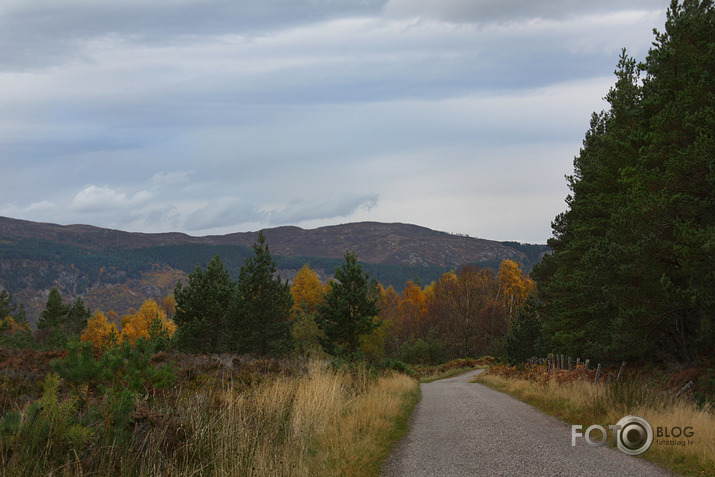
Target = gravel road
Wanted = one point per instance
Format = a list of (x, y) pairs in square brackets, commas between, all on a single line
[(466, 429)]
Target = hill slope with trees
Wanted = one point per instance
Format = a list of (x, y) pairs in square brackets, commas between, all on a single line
[(118, 270)]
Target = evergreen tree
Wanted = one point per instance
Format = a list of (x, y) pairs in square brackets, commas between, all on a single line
[(77, 317), (631, 272), (671, 201), (524, 339), (575, 281), (202, 309), (261, 310), (350, 309), (55, 312)]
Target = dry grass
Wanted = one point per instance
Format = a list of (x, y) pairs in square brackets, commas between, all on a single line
[(585, 403), (320, 422), (323, 423)]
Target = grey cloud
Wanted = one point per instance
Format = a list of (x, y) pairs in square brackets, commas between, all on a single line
[(488, 11), (221, 212), (42, 33), (248, 113), (228, 213)]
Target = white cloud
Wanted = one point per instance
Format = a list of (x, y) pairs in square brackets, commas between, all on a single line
[(42, 206), (93, 199)]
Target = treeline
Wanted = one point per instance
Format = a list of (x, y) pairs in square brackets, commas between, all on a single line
[(463, 313), (632, 274), (21, 257), (39, 264)]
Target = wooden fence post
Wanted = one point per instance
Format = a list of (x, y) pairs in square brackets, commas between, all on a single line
[(620, 371), (569, 364), (684, 388), (598, 373)]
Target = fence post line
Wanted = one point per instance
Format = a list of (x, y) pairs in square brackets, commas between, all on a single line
[(598, 373), (569, 364)]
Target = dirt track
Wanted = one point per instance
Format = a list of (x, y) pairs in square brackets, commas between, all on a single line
[(466, 429)]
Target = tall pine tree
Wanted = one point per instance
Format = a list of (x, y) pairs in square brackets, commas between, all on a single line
[(671, 201), (350, 308), (202, 307), (574, 282), (55, 312), (261, 311)]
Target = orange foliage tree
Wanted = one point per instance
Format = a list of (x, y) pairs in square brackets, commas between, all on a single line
[(460, 315), (413, 308), (139, 324), (466, 311)]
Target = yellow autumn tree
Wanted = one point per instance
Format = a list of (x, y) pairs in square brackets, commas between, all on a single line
[(112, 317), (98, 330), (168, 304), (138, 325), (307, 291), (9, 326), (515, 286), (412, 312)]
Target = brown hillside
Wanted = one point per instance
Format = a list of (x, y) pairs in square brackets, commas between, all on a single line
[(372, 241)]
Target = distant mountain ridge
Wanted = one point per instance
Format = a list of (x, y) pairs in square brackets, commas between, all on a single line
[(117, 270), (373, 242)]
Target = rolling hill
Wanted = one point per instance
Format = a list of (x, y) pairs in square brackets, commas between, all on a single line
[(113, 269)]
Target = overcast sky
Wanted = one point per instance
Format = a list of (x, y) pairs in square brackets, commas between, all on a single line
[(213, 116)]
